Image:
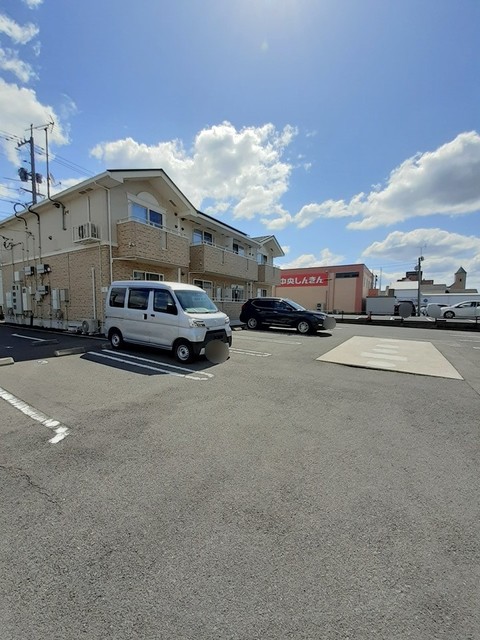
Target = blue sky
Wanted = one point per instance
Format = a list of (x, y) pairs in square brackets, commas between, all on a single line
[(350, 129)]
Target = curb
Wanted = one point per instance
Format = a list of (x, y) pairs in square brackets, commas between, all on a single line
[(4, 361), (69, 352)]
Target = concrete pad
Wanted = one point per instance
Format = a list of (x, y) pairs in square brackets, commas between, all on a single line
[(406, 356)]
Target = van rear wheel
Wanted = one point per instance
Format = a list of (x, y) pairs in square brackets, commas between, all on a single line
[(183, 351), (116, 339)]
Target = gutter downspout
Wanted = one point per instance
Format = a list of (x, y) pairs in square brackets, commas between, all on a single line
[(109, 224), (39, 233)]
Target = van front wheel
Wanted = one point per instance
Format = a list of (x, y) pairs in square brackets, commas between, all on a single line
[(183, 351), (116, 339)]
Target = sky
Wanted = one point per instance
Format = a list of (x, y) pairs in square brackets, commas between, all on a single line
[(349, 129)]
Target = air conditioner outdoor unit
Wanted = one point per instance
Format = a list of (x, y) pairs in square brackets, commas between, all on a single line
[(90, 325), (87, 232), (29, 271)]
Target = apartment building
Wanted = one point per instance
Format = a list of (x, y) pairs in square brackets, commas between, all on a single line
[(58, 257)]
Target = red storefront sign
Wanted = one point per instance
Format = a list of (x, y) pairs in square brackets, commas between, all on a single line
[(312, 279)]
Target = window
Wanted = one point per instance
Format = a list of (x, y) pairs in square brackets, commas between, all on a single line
[(147, 275), (144, 208), (161, 300), (117, 297), (206, 285), (264, 304), (237, 248), (238, 292), (262, 293), (261, 259), (202, 237), (138, 299), (347, 274)]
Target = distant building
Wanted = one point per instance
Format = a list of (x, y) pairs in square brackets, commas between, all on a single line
[(428, 286), (333, 288)]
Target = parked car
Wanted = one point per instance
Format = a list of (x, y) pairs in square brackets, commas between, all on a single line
[(168, 315), (282, 312), (396, 309), (431, 306), (467, 309)]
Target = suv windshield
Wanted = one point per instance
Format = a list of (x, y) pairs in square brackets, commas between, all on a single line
[(195, 301), (295, 305)]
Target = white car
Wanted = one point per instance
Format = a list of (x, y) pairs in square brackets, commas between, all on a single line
[(433, 306), (467, 309)]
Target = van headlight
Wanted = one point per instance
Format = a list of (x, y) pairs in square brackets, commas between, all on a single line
[(227, 320), (196, 323)]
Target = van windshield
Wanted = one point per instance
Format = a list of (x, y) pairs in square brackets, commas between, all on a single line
[(195, 301)]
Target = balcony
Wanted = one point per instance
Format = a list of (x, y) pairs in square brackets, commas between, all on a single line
[(142, 242), (214, 260), (268, 274)]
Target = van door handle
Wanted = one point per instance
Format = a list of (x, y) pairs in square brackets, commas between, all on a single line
[(144, 316), (153, 315)]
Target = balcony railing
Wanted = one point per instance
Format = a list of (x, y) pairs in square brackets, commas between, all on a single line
[(144, 242), (212, 259), (268, 274)]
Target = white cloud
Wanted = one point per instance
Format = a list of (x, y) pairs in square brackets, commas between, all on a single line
[(325, 258), (444, 181), (18, 106), (19, 34), (33, 4), (9, 61), (240, 169), (441, 251)]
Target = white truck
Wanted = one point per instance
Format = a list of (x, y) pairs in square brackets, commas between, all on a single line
[(381, 305)]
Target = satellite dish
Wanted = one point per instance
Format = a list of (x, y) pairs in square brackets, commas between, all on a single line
[(217, 351), (329, 323), (434, 311), (405, 309)]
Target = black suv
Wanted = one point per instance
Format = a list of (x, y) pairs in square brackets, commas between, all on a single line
[(281, 312)]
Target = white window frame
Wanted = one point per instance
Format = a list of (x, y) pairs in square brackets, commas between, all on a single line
[(238, 248), (202, 233), (201, 283), (149, 207), (147, 275)]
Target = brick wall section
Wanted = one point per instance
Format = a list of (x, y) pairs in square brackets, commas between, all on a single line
[(83, 273), (268, 274), (147, 242), (232, 309)]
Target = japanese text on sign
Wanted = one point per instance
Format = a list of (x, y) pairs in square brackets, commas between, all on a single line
[(317, 279)]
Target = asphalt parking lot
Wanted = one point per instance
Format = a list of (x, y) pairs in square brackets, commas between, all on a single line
[(285, 493)]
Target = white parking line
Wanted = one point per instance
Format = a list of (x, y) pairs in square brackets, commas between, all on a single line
[(270, 340), (244, 352), (17, 335), (137, 361), (61, 431)]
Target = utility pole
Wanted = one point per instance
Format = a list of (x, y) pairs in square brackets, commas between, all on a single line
[(32, 175), (25, 175), (419, 276)]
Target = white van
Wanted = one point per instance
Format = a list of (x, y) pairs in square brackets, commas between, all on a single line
[(168, 315)]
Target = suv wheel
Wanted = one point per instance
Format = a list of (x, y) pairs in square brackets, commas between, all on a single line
[(253, 323), (304, 327)]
